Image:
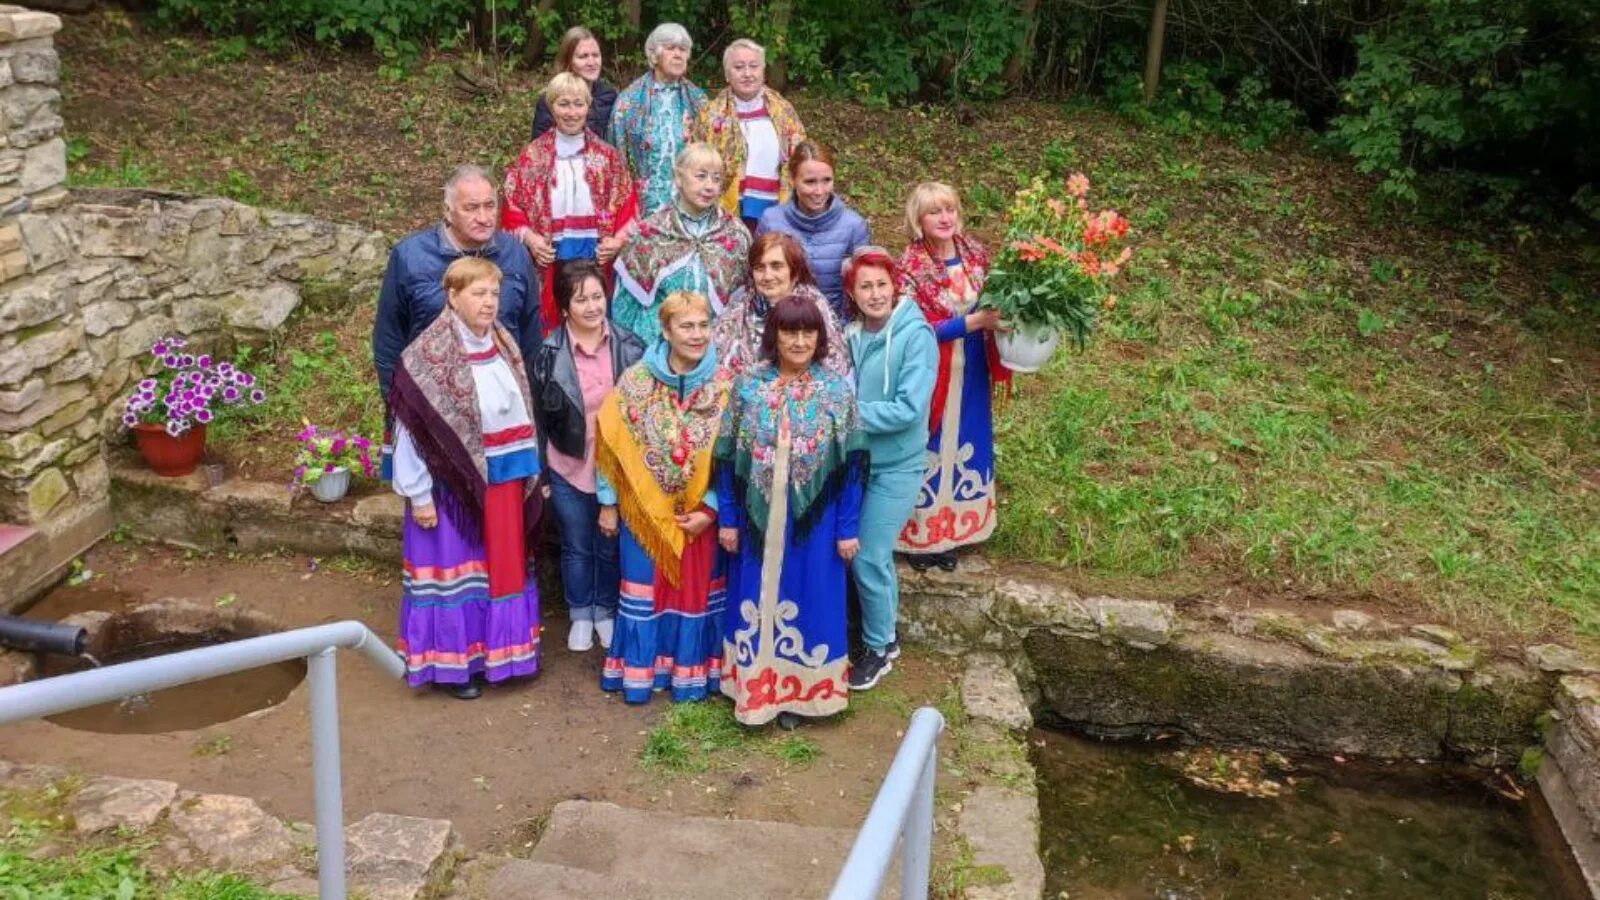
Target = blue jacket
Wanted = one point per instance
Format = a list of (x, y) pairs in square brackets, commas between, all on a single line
[(413, 294), (602, 97), (829, 238), (895, 369)]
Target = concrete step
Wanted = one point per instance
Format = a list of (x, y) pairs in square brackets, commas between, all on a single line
[(605, 850)]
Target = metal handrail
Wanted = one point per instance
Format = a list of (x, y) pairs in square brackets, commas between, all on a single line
[(64, 693), (904, 806)]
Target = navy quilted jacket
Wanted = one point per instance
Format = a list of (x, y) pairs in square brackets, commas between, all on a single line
[(829, 239)]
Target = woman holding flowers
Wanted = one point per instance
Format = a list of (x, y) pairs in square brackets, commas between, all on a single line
[(945, 270), (654, 115), (896, 357), (778, 269), (655, 436), (790, 462), (568, 196), (691, 246), (466, 462)]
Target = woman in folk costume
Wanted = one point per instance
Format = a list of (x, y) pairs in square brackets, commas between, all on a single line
[(655, 115), (790, 462), (945, 271), (778, 269), (568, 196), (754, 129), (656, 432), (692, 245), (466, 461)]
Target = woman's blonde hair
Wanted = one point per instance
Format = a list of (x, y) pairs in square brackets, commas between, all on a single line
[(679, 303), (695, 154), (468, 269), (925, 196), (568, 48), (566, 84)]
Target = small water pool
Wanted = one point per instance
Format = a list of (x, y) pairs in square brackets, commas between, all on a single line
[(1133, 821)]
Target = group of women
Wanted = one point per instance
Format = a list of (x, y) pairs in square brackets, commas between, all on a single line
[(740, 406)]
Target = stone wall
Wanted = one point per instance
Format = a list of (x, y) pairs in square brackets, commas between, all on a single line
[(89, 279)]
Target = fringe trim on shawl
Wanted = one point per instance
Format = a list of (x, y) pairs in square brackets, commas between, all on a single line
[(651, 519), (465, 490)]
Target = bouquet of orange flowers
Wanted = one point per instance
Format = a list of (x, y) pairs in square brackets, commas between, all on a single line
[(1060, 258)]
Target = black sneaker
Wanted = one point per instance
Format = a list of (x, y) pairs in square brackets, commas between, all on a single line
[(893, 650), (788, 721), (869, 671), (920, 562)]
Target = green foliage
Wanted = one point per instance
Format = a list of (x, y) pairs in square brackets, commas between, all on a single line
[(1471, 80), (698, 737), (1198, 96), (395, 28)]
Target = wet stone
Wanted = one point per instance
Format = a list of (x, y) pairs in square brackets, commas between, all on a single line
[(394, 857), (989, 692), (110, 802), (232, 831)]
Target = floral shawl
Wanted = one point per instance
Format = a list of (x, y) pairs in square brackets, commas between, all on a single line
[(929, 282), (528, 183), (826, 439), (631, 119), (654, 436), (664, 245), (434, 396), (718, 125), (737, 331)]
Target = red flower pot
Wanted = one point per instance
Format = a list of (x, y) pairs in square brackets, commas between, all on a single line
[(167, 455)]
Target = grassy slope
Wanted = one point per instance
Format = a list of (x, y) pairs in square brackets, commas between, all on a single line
[(1295, 400)]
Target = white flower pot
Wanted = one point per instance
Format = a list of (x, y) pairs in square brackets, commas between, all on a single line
[(332, 485), (1026, 348)]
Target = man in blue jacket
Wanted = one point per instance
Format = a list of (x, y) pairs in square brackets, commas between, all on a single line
[(413, 286)]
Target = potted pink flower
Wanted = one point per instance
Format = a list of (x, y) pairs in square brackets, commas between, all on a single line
[(325, 460)]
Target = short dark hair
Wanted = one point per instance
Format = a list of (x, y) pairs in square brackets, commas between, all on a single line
[(574, 273), (794, 313), (794, 253)]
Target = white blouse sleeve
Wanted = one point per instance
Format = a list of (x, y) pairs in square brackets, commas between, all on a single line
[(411, 478)]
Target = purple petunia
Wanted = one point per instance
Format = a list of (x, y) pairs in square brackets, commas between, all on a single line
[(202, 415), (203, 361), (170, 360), (160, 348), (175, 427), (258, 396), (230, 394)]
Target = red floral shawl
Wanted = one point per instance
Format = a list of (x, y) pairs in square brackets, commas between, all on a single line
[(929, 283), (527, 198)]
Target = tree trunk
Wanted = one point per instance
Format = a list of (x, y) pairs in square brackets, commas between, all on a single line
[(1017, 65), (633, 12), (781, 13), (1152, 50), (533, 48)]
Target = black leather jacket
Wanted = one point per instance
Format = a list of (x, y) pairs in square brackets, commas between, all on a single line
[(557, 397)]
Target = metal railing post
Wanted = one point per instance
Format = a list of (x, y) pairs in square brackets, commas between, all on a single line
[(326, 775), (917, 851)]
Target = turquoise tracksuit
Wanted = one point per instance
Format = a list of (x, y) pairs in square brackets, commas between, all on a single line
[(895, 369)]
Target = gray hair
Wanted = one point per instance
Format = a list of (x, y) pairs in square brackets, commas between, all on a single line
[(462, 175), (667, 34), (744, 44)]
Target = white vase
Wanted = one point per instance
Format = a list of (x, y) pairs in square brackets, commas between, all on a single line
[(1026, 347), (332, 485)]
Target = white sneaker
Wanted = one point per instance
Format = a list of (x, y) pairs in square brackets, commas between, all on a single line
[(581, 637), (603, 629)]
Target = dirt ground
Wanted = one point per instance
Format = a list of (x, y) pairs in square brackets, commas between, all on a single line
[(495, 766)]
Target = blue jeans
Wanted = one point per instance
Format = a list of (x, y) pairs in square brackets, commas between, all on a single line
[(890, 498), (590, 572)]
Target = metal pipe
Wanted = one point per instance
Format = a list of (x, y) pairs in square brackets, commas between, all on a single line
[(900, 798), (33, 636), (49, 696), (916, 853), (326, 775)]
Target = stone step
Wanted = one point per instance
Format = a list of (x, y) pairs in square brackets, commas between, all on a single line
[(601, 849)]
